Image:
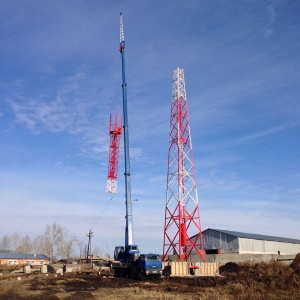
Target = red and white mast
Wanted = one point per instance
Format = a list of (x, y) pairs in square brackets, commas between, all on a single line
[(182, 213), (115, 132)]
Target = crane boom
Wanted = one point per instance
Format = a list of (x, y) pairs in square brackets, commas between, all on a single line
[(128, 261), (128, 228)]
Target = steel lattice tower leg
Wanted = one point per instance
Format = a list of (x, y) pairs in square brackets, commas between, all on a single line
[(182, 230)]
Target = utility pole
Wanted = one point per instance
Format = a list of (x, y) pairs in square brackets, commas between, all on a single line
[(89, 249)]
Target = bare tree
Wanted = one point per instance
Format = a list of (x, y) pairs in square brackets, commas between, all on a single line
[(45, 246), (67, 244), (81, 247), (15, 241), (5, 243), (53, 237), (84, 250), (37, 245), (25, 245), (97, 251), (56, 241)]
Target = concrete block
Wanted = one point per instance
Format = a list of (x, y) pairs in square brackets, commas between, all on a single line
[(27, 270), (44, 269)]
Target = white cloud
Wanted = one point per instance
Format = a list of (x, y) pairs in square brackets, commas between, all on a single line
[(246, 138), (74, 110), (259, 222), (271, 19), (60, 114)]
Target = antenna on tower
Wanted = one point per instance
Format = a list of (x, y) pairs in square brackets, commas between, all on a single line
[(115, 132), (182, 213)]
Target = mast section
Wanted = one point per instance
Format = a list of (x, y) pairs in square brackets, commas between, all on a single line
[(115, 132)]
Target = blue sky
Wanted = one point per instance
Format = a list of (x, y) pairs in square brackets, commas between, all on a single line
[(61, 78)]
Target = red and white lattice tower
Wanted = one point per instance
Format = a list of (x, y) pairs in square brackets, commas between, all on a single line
[(182, 230), (115, 132)]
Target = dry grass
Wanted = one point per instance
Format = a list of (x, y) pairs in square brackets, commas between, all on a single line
[(260, 281)]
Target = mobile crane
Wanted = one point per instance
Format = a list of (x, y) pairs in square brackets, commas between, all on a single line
[(128, 260)]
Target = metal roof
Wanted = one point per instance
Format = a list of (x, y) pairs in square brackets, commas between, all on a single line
[(18, 255), (254, 236)]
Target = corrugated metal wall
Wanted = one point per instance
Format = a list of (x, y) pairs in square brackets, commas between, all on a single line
[(216, 240), (267, 247), (213, 239)]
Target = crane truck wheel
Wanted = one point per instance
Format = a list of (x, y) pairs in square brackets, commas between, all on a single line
[(117, 273), (133, 274), (141, 276), (122, 273)]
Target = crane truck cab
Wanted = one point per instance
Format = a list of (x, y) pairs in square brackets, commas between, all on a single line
[(125, 260), (150, 265), (129, 253)]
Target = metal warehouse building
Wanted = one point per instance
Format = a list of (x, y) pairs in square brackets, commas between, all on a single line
[(224, 241)]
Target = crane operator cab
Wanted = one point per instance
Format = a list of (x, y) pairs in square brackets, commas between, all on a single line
[(130, 253)]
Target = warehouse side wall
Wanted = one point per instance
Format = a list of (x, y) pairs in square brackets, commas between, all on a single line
[(267, 247), (223, 259)]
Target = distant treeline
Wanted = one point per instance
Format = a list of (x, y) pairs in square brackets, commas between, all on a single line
[(56, 242)]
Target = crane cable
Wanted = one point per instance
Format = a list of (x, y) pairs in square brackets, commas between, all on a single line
[(103, 211)]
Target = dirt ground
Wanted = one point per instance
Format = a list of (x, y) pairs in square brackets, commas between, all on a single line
[(260, 281)]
